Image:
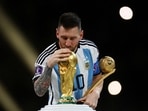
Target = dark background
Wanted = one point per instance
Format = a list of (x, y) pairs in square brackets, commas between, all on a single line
[(125, 41)]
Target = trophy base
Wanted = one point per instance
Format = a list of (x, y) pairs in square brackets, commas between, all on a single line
[(67, 100), (66, 107)]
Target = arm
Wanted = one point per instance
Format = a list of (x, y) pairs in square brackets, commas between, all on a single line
[(92, 98), (99, 87), (42, 83), (107, 65)]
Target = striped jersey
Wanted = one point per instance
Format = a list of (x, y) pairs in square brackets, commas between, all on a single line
[(87, 66)]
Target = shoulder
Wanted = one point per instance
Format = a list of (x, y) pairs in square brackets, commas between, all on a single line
[(46, 52), (51, 48), (87, 43)]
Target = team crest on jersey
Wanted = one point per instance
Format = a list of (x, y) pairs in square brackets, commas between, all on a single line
[(39, 69), (87, 64)]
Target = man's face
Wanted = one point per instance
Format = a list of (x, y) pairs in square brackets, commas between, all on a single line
[(69, 38)]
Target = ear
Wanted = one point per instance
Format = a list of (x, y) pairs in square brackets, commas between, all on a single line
[(81, 34), (57, 33)]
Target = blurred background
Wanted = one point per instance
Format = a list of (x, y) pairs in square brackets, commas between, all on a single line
[(27, 27)]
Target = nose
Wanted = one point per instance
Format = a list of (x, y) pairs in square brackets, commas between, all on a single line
[(68, 43)]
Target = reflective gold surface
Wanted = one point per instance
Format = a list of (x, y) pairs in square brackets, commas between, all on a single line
[(67, 71), (107, 64)]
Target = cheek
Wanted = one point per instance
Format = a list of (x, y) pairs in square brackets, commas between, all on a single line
[(75, 43)]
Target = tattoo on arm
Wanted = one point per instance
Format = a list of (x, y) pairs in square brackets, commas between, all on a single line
[(42, 83)]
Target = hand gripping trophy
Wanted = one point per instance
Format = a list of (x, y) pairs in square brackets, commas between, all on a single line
[(67, 71)]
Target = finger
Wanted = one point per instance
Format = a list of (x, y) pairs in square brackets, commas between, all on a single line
[(62, 59), (65, 50)]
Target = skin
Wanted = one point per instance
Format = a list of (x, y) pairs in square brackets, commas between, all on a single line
[(68, 42)]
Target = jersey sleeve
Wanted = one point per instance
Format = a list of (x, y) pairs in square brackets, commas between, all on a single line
[(95, 56), (40, 64), (38, 70), (96, 68)]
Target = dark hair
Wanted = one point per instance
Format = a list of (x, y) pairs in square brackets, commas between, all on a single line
[(69, 20)]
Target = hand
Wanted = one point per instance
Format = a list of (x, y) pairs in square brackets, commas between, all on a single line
[(58, 56), (90, 100)]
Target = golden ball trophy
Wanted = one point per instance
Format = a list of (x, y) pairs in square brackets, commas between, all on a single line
[(107, 67)]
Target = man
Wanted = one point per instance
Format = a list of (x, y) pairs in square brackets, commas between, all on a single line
[(70, 39)]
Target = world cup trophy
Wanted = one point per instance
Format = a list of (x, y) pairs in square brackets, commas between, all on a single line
[(67, 71)]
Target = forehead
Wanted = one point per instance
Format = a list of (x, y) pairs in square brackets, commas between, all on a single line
[(73, 30)]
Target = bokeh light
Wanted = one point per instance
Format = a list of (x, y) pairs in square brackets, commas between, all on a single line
[(126, 13), (114, 87)]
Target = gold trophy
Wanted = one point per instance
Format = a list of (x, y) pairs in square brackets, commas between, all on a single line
[(67, 71), (107, 66)]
